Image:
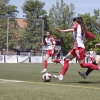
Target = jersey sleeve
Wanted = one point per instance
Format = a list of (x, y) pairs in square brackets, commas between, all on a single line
[(75, 27), (89, 35), (53, 40), (45, 42)]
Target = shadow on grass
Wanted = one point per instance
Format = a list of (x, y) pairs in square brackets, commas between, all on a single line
[(53, 72), (88, 82), (85, 82)]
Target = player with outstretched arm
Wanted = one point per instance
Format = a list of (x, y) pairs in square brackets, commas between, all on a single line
[(50, 44), (95, 62), (79, 32)]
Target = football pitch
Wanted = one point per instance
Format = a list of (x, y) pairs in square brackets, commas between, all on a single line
[(23, 81)]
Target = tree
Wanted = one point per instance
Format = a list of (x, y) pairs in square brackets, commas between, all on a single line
[(60, 15), (33, 9), (6, 11), (32, 33), (93, 25)]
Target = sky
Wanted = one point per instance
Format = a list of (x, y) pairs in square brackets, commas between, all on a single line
[(81, 6)]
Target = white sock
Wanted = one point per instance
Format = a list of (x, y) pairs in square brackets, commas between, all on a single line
[(61, 62), (99, 67)]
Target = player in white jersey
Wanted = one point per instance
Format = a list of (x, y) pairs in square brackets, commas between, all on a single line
[(91, 55), (96, 61), (50, 44), (79, 32)]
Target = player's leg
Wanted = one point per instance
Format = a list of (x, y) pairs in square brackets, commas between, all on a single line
[(61, 60), (80, 52), (45, 63), (65, 66), (95, 62)]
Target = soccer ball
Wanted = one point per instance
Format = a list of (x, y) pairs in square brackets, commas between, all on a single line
[(47, 77)]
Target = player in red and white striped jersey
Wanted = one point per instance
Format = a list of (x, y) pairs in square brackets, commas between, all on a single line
[(91, 55), (50, 44), (96, 61), (79, 32)]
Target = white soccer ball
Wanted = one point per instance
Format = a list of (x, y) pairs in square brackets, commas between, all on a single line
[(46, 77)]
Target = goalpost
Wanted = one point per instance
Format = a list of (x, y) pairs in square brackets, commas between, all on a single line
[(28, 33)]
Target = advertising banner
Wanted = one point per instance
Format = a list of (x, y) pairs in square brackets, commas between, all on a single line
[(11, 58), (23, 59), (1, 58), (36, 59)]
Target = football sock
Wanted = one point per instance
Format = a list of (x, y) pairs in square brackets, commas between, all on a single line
[(65, 67), (45, 63), (90, 70), (56, 61)]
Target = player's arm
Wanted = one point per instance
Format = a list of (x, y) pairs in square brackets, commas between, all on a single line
[(53, 46), (41, 44), (54, 43), (67, 30), (97, 45), (89, 37)]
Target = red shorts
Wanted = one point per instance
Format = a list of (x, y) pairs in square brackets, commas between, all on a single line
[(49, 52), (91, 58), (78, 53)]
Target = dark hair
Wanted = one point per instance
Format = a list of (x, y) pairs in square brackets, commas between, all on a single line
[(80, 21), (48, 31)]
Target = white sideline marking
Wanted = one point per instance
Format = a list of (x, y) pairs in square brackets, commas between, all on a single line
[(8, 81), (73, 86)]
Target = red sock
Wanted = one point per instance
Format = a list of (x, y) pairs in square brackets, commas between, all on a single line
[(45, 63), (91, 66), (56, 61), (65, 67)]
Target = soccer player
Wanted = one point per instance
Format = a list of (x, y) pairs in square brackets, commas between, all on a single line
[(79, 32), (96, 62), (50, 44), (91, 55), (59, 58)]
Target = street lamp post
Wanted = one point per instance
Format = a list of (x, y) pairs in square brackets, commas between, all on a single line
[(7, 33), (42, 36)]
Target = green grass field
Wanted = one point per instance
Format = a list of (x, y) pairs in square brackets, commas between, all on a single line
[(32, 87)]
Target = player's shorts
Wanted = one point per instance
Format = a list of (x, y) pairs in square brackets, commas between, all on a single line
[(98, 53), (51, 53), (78, 53), (92, 58)]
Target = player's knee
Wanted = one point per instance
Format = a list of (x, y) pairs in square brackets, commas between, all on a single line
[(82, 65), (45, 61), (66, 61)]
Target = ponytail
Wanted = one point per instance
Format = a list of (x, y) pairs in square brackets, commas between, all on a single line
[(80, 21)]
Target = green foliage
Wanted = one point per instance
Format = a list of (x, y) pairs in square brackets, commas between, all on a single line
[(34, 9), (6, 11), (60, 16), (32, 34), (93, 25)]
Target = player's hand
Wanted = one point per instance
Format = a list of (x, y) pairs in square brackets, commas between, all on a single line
[(57, 29), (52, 51), (39, 44), (97, 45)]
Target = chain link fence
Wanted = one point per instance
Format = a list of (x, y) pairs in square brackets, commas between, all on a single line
[(20, 35)]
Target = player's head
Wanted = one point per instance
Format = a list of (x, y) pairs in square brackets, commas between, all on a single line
[(48, 33), (91, 49), (80, 21)]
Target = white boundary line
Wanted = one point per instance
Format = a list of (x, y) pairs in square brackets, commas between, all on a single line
[(47, 83), (72, 86), (8, 81)]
